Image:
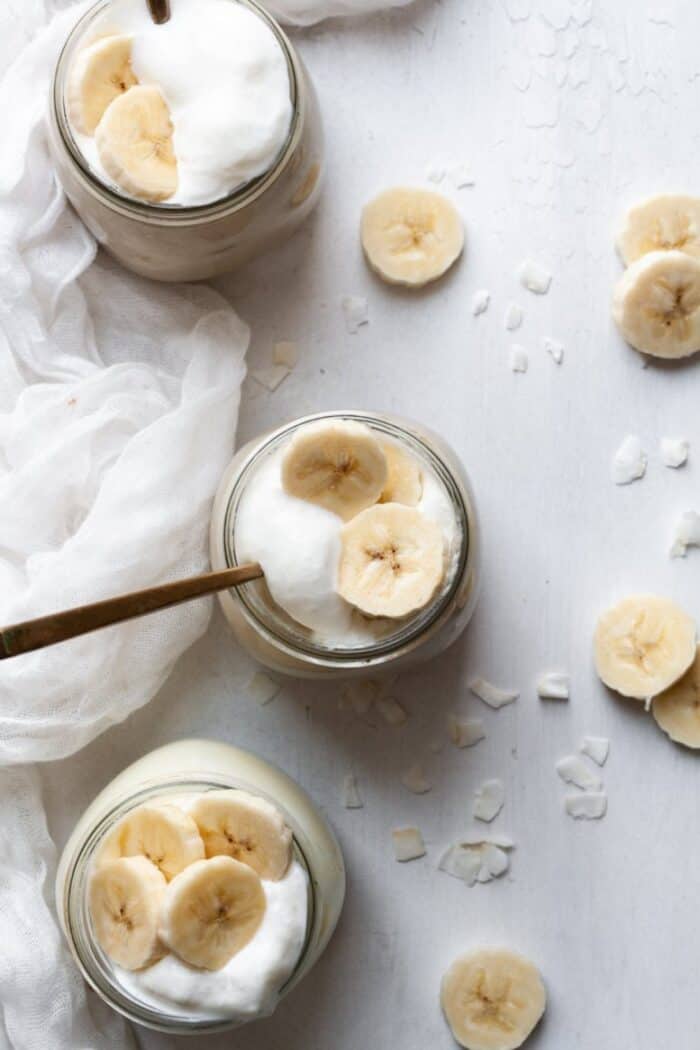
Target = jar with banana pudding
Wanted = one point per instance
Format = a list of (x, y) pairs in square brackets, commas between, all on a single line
[(366, 529), (186, 148), (198, 888)]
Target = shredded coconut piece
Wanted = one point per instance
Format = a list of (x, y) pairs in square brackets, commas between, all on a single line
[(573, 770), (361, 695), (262, 689), (286, 354), (477, 860), (555, 350), (534, 277), (589, 806), (674, 451), (355, 311), (491, 694), (391, 711), (480, 302), (553, 685), (597, 748), (415, 780), (461, 176), (351, 793), (489, 800), (408, 844), (270, 377), (518, 358), (686, 534), (514, 317), (465, 732), (436, 172), (629, 462)]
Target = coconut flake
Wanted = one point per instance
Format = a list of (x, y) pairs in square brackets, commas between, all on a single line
[(534, 277), (597, 748), (476, 860), (489, 800), (480, 302), (674, 451), (589, 806), (555, 350), (285, 354), (553, 685), (491, 694), (518, 358), (360, 695), (391, 711), (686, 534), (408, 844), (270, 377), (629, 462), (461, 176), (573, 770), (415, 780), (514, 317), (262, 689), (435, 172), (351, 793), (355, 312), (465, 732)]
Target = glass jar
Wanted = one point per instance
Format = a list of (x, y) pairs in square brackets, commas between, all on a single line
[(171, 242), (271, 637), (193, 766)]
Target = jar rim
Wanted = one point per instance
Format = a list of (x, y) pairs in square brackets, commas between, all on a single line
[(89, 957), (383, 650), (179, 214)]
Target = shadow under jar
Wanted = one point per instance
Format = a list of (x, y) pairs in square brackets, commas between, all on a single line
[(182, 769), (283, 644), (181, 242)]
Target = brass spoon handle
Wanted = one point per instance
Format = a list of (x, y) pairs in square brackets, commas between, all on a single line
[(57, 627), (159, 11)]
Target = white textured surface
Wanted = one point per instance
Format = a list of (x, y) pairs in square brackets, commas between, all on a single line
[(565, 119)]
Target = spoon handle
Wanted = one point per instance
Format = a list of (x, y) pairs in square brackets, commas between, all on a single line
[(57, 627), (159, 11)]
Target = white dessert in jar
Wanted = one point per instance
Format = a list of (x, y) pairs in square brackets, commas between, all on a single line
[(185, 112)]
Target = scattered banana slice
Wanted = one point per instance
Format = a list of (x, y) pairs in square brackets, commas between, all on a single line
[(643, 645), (404, 482), (392, 560), (99, 74), (124, 899), (492, 999), (656, 304), (134, 140), (411, 236), (677, 710), (664, 222), (211, 911), (235, 824), (162, 833), (338, 465)]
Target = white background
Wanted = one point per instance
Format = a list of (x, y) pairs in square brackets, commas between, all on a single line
[(566, 110)]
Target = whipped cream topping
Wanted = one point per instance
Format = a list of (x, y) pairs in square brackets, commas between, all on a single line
[(225, 79)]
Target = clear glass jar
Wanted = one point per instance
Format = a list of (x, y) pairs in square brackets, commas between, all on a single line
[(283, 645), (170, 242), (192, 766)]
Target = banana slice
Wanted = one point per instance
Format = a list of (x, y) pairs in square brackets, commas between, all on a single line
[(249, 829), (677, 711), (643, 645), (124, 899), (339, 465), (135, 143), (664, 222), (411, 236), (404, 482), (392, 560), (99, 74), (211, 910), (492, 999), (163, 833), (656, 304)]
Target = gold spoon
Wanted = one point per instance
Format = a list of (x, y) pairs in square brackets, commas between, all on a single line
[(57, 627), (159, 11)]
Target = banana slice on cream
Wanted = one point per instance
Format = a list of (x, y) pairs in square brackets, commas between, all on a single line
[(124, 901), (235, 824), (162, 833), (134, 141), (101, 72)]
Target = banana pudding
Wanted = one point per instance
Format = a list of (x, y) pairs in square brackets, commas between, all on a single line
[(193, 900), (366, 532), (189, 146)]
